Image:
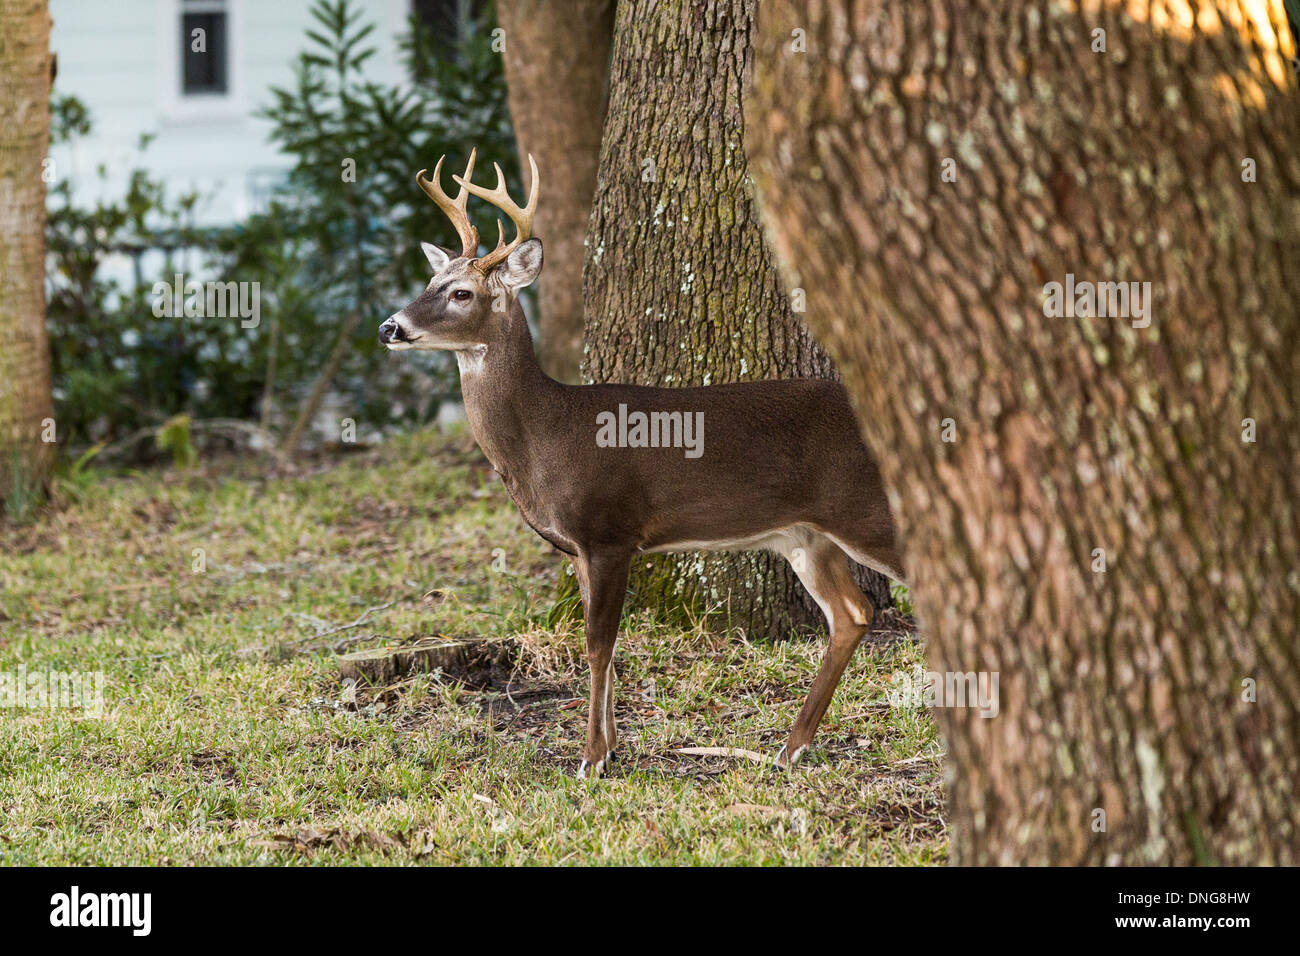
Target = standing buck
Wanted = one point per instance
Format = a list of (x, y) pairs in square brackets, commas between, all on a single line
[(783, 467)]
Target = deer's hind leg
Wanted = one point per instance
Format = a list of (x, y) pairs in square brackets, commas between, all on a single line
[(823, 569)]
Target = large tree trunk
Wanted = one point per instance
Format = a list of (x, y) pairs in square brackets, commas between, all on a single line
[(25, 401), (557, 73), (1163, 689), (681, 289)]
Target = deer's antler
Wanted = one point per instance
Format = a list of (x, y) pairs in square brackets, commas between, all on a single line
[(454, 209), (522, 218)]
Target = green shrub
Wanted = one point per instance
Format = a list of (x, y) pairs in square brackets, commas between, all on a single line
[(330, 245)]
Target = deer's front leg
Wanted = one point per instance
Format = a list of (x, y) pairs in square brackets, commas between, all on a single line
[(602, 579)]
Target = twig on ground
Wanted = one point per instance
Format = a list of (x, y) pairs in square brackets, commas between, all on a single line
[(725, 752), (342, 627)]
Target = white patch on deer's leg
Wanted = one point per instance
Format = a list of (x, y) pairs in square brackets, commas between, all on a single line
[(786, 760), (856, 614), (588, 770), (602, 719), (604, 706), (816, 595), (607, 724), (600, 715)]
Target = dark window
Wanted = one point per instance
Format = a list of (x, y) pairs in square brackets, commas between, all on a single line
[(203, 55), (442, 17), (447, 21)]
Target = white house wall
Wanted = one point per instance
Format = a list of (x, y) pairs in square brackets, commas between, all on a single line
[(121, 58)]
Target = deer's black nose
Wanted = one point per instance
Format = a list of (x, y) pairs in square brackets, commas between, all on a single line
[(390, 331)]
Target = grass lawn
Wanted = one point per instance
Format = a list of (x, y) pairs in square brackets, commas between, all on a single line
[(214, 602)]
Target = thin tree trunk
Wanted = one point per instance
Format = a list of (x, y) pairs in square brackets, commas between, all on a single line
[(681, 289), (321, 386), (928, 170), (268, 383), (26, 405), (557, 75)]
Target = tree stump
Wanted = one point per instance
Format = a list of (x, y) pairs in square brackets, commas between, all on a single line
[(381, 665)]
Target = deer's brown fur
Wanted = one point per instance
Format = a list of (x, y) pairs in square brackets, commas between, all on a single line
[(783, 467)]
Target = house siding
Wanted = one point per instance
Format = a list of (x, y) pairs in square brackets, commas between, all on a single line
[(122, 59)]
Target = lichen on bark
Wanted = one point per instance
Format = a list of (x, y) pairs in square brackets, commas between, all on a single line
[(1160, 687)]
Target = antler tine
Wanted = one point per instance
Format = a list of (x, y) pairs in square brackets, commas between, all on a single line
[(453, 209), (522, 218)]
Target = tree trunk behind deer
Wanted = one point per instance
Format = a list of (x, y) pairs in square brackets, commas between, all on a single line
[(681, 289), (1083, 510), (557, 69), (25, 400)]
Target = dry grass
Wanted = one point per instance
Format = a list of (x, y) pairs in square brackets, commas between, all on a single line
[(227, 738)]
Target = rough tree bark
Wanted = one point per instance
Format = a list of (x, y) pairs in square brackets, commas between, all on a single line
[(557, 74), (1162, 690), (681, 289), (25, 399)]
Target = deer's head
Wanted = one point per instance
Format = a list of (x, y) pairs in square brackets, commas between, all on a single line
[(468, 296)]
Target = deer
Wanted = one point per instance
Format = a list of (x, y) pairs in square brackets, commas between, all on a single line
[(784, 467)]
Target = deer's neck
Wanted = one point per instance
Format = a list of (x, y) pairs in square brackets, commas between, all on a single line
[(509, 400)]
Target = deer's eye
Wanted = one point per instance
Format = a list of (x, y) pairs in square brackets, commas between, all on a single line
[(462, 295)]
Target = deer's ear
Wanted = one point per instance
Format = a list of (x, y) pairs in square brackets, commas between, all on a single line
[(522, 267), (438, 257)]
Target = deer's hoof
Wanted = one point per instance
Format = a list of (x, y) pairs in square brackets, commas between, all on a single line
[(588, 770), (786, 760)]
